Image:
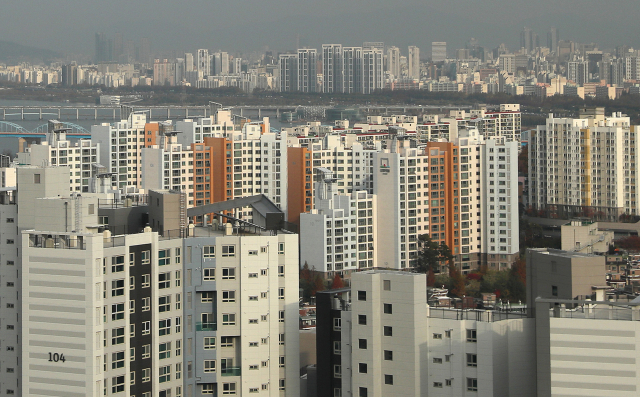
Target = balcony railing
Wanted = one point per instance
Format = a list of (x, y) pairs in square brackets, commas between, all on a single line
[(230, 371), (200, 326)]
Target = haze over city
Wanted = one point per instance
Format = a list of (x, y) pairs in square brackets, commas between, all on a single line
[(249, 25)]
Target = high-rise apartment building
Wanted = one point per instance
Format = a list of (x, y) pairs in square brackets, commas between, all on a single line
[(352, 69), (307, 69), (393, 62), (288, 72), (372, 71), (188, 62), (332, 68), (584, 166), (203, 65), (414, 62), (438, 51), (241, 315)]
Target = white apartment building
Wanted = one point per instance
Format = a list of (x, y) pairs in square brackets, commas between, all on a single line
[(414, 62), (392, 343), (332, 72), (339, 235), (102, 315), (167, 167), (584, 164), (241, 315), (81, 157), (194, 131), (500, 213), (120, 146), (400, 176)]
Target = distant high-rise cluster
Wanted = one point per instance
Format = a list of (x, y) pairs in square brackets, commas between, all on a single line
[(118, 50)]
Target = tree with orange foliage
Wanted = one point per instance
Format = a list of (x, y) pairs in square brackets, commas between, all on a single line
[(458, 286), (337, 282), (431, 278)]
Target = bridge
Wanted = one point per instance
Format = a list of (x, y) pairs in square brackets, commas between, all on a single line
[(13, 130)]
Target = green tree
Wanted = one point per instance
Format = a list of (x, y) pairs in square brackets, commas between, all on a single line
[(431, 254)]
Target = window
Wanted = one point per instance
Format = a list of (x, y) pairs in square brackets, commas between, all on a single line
[(209, 251), (146, 328), (280, 316), (388, 355), (209, 342), (228, 273), (209, 274), (164, 393), (437, 360), (228, 296), (146, 303), (36, 179), (228, 251), (228, 388), (388, 309), (117, 336), (253, 275), (146, 375), (164, 303), (448, 382), (229, 319), (164, 257), (472, 335), (165, 373), (447, 333), (362, 368), (146, 257), (117, 360), (386, 285), (362, 343), (164, 350), (472, 384), (226, 341), (117, 311), (388, 379), (337, 347), (208, 388), (281, 362), (447, 357), (337, 324), (117, 264), (253, 344), (206, 297), (253, 321), (337, 371), (472, 360), (554, 290), (437, 336), (253, 252), (281, 384), (178, 348), (178, 280), (280, 248), (280, 293), (437, 384), (362, 295), (388, 331), (146, 351), (281, 339), (117, 383), (362, 319), (164, 280), (146, 281), (209, 366), (280, 270), (362, 392), (117, 287), (164, 327)]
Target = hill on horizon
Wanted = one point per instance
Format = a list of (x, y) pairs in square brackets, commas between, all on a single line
[(11, 52)]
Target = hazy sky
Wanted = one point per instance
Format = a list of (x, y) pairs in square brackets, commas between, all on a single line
[(246, 25)]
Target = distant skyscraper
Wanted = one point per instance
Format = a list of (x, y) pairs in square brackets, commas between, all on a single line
[(438, 51), (529, 40), (288, 76), (372, 70), (553, 36), (393, 61), (220, 63), (102, 48), (414, 62), (307, 69), (145, 50), (188, 62), (332, 72), (203, 67), (353, 69), (69, 75)]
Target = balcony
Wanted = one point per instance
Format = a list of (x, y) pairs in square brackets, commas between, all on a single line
[(230, 371), (200, 326)]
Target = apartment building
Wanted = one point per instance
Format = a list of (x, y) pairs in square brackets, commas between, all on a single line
[(82, 157), (168, 166), (194, 131), (400, 175), (584, 166), (380, 338), (120, 146), (241, 315), (339, 235), (332, 72)]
